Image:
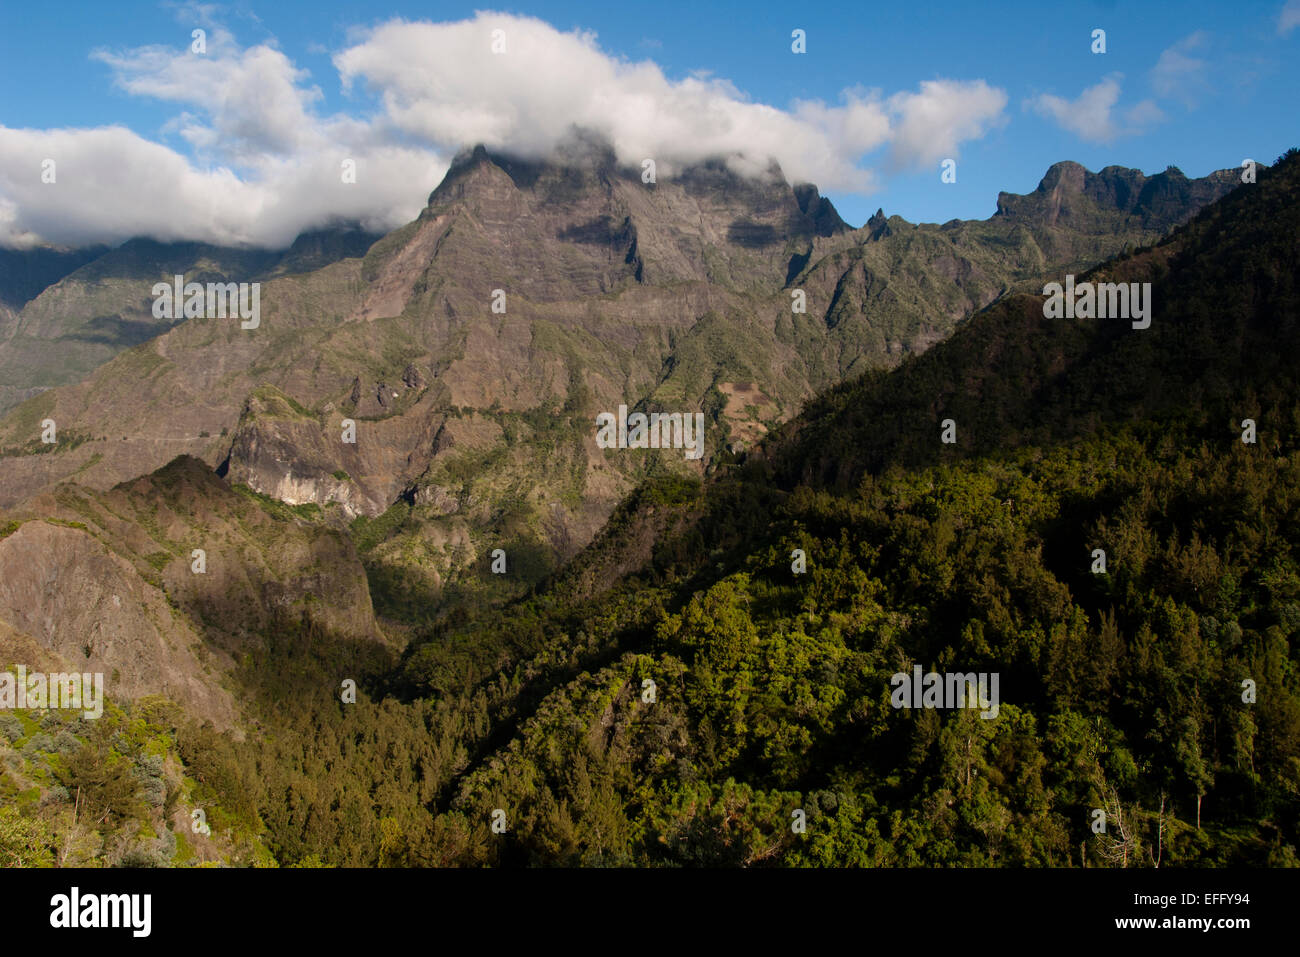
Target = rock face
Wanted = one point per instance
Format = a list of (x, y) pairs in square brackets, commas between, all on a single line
[(107, 581), (1070, 195), (63, 313), (472, 349), (78, 599), (878, 226), (24, 273)]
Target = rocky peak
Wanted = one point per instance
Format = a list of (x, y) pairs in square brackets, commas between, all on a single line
[(878, 225), (472, 173), (574, 225), (825, 217), (583, 170), (1066, 175), (1070, 194)]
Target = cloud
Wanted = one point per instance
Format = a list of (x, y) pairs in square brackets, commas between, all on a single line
[(932, 124), (112, 184), (254, 100), (261, 165), (442, 83), (1090, 117), (1179, 75), (1144, 114), (1289, 18), (257, 163)]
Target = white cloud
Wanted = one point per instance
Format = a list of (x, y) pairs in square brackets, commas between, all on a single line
[(1180, 75), (253, 97), (1088, 117), (932, 124), (111, 184), (442, 83), (1144, 114), (1091, 116), (261, 164), (1289, 18)]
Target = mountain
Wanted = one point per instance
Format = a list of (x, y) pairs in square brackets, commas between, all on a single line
[(1017, 377), (718, 663), (64, 313), (25, 272), (1095, 203), (474, 427), (108, 580), (1100, 539)]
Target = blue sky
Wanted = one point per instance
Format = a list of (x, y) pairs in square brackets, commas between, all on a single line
[(1013, 87)]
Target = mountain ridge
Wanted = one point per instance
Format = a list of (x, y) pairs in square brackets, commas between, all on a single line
[(720, 656), (98, 301), (665, 296)]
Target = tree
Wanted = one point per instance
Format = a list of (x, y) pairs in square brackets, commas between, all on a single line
[(24, 841)]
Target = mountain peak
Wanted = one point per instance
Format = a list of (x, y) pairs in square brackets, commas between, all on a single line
[(878, 225), (1066, 172), (470, 170), (826, 218), (584, 168), (1070, 193)]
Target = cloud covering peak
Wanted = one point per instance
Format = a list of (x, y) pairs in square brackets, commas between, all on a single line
[(256, 162)]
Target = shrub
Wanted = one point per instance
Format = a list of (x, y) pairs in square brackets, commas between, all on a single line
[(151, 765), (39, 742), (154, 792), (11, 727)]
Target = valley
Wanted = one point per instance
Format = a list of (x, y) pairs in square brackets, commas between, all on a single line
[(394, 484)]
